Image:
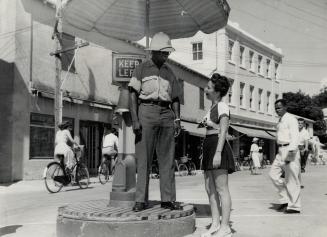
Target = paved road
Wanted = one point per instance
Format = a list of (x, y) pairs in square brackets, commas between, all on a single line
[(27, 209)]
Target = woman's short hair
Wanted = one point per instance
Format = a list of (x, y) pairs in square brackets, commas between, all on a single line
[(221, 84)]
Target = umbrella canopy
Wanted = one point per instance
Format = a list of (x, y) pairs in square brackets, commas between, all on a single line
[(127, 19)]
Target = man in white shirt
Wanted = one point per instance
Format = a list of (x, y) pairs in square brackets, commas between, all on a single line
[(303, 143), (110, 146), (287, 160)]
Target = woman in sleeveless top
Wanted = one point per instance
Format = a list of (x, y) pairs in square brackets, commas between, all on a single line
[(218, 160)]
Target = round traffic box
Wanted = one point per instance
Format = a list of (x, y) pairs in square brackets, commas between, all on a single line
[(97, 219)]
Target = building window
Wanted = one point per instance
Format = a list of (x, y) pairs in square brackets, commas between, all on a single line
[(268, 67), (42, 134), (68, 41), (276, 70), (201, 98), (181, 86), (242, 63), (268, 102), (251, 97), (251, 57), (242, 96), (260, 100), (259, 63), (197, 51), (230, 91), (230, 49)]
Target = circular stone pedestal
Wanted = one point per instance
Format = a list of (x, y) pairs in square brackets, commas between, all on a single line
[(97, 219)]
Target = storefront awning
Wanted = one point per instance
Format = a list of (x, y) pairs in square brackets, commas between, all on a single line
[(193, 130), (255, 132)]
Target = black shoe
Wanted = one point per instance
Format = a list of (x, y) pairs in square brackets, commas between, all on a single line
[(302, 170), (171, 205), (302, 186), (282, 207), (291, 211), (139, 206)]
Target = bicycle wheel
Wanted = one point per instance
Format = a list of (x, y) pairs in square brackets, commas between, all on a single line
[(82, 176), (53, 173), (182, 170), (192, 168), (103, 173)]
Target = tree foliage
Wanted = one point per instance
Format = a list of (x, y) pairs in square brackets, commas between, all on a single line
[(303, 105)]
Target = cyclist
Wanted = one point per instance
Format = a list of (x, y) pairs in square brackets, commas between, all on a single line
[(64, 143), (109, 146)]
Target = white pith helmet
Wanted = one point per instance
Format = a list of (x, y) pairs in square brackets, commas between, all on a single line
[(161, 42)]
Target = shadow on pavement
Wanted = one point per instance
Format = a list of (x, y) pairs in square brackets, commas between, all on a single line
[(9, 229), (77, 188), (7, 185), (276, 206), (202, 210)]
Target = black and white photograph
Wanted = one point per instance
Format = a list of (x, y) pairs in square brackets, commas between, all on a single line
[(163, 118)]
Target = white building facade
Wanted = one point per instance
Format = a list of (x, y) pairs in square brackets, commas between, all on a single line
[(253, 68)]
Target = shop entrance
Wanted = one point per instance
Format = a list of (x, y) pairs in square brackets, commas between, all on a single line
[(91, 136)]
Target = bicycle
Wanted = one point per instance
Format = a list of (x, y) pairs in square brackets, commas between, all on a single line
[(104, 173), (56, 175), (186, 166)]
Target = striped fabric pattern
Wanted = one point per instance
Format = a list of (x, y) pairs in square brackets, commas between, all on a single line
[(125, 19)]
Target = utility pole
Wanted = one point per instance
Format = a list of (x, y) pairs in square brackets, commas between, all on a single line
[(57, 36)]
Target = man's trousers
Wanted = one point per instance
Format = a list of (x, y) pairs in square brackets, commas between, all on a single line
[(290, 187), (157, 136)]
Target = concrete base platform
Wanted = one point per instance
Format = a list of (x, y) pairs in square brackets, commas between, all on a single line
[(97, 219)]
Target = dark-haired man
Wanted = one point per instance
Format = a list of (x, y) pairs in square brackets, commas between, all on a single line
[(287, 160)]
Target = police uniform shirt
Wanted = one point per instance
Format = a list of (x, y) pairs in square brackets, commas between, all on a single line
[(155, 84)]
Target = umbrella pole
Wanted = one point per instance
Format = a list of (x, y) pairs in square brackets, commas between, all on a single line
[(147, 26)]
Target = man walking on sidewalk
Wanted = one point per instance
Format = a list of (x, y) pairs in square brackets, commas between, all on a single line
[(287, 160)]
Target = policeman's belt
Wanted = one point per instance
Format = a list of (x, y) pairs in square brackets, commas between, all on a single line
[(165, 104)]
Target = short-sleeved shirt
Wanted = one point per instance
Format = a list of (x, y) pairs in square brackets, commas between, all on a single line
[(110, 140), (288, 131), (153, 83), (303, 136), (213, 116)]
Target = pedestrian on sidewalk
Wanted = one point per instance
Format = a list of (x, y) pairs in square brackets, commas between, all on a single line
[(303, 143), (287, 160), (218, 160), (156, 121), (255, 156)]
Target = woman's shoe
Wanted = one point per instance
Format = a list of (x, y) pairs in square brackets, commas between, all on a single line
[(209, 232), (227, 232)]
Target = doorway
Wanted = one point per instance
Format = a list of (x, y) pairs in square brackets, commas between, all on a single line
[(91, 137)]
